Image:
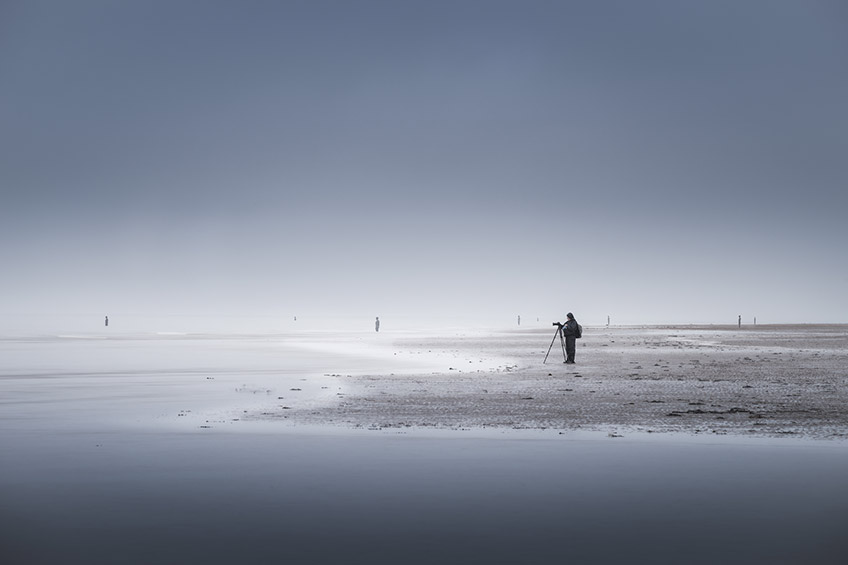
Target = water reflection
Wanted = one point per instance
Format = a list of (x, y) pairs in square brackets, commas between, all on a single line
[(270, 498)]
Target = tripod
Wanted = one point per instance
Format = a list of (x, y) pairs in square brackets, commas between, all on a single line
[(557, 332)]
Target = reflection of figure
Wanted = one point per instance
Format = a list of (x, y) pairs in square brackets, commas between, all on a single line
[(107, 321), (569, 332), (377, 324)]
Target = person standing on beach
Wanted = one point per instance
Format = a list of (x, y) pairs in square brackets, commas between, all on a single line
[(107, 321), (377, 324), (570, 329)]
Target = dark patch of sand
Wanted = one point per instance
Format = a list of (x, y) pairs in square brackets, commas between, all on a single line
[(763, 381)]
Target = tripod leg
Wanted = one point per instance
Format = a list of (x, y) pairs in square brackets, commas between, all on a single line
[(551, 345)]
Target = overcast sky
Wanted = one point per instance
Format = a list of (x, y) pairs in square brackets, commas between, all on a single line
[(652, 161)]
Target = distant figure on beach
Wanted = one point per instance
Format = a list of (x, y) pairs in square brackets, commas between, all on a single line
[(377, 324), (740, 320), (519, 319), (570, 330), (107, 321)]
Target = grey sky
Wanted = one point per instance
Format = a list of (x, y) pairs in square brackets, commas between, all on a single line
[(654, 161)]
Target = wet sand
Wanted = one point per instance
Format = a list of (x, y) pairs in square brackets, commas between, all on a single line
[(754, 381)]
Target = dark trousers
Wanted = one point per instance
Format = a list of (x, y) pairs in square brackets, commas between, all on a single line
[(570, 346)]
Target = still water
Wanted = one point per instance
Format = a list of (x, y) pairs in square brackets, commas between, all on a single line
[(324, 498)]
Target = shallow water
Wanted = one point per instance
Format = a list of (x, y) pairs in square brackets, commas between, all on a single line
[(99, 466), (259, 498), (88, 381)]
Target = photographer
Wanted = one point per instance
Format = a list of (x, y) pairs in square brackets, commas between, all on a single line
[(570, 331)]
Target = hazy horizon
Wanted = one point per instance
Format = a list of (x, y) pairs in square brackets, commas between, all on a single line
[(655, 162)]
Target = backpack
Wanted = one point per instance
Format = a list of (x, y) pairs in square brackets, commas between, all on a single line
[(579, 333)]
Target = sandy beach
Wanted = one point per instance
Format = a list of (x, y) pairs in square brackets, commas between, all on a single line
[(450, 446), (750, 381)]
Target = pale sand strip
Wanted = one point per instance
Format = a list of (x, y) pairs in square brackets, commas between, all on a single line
[(764, 381)]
